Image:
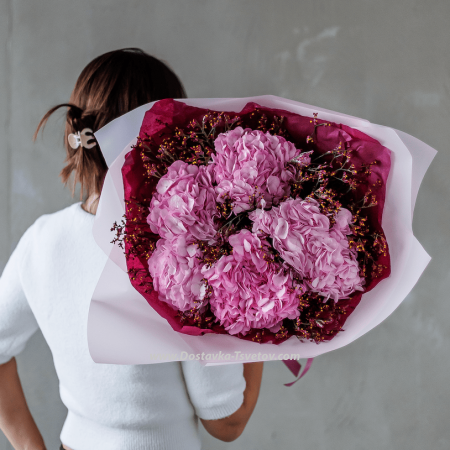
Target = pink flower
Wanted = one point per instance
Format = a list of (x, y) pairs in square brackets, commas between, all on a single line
[(343, 220), (248, 292), (176, 273), (185, 203), (250, 165), (302, 236)]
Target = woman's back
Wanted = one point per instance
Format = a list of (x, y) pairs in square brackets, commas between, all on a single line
[(48, 283)]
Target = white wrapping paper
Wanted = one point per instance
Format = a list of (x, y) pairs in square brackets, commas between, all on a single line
[(124, 329)]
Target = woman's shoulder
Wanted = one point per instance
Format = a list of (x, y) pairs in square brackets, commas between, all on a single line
[(70, 215), (57, 226)]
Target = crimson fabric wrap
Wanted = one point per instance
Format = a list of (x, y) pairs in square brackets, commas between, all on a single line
[(166, 115)]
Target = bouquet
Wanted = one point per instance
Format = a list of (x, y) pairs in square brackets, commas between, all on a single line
[(250, 224)]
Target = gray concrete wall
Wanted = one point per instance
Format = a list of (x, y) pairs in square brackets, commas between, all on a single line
[(388, 62)]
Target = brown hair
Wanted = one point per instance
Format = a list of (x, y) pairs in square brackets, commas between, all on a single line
[(108, 87)]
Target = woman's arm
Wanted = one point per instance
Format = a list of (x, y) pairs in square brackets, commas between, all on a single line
[(15, 417), (230, 428)]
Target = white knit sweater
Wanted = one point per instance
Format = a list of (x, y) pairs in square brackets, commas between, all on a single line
[(48, 283)]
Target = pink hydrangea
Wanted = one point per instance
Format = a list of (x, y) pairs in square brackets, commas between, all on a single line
[(247, 291), (176, 273), (251, 164), (302, 236), (184, 203), (343, 219)]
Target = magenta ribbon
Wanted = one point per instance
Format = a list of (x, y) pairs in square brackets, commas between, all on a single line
[(294, 366)]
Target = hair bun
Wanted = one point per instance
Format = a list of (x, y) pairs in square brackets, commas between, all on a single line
[(74, 112), (79, 118)]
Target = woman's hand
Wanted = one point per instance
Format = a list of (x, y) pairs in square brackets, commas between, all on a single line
[(15, 417), (230, 428)]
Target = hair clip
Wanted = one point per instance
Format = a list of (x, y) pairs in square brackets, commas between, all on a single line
[(86, 139)]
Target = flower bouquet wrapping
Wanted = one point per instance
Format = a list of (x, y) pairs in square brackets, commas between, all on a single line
[(256, 228)]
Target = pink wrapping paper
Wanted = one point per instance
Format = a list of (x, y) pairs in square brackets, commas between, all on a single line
[(124, 329)]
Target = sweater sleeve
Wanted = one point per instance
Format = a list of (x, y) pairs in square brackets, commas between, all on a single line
[(17, 321), (215, 391)]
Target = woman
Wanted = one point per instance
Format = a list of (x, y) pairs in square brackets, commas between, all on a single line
[(48, 283)]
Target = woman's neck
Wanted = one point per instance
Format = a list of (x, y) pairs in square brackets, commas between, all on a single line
[(91, 203)]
